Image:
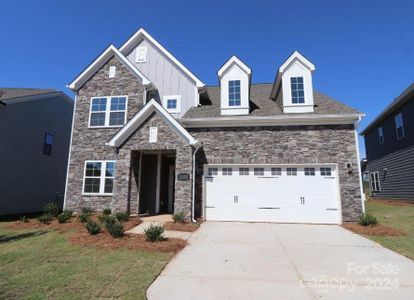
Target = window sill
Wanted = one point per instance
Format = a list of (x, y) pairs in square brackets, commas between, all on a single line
[(104, 127), (96, 194)]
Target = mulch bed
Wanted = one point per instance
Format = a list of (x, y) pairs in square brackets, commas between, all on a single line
[(80, 236), (377, 230), (187, 227)]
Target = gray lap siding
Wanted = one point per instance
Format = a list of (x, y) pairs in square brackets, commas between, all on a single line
[(284, 145)]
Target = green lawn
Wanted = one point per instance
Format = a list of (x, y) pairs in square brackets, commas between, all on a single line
[(400, 217), (38, 264)]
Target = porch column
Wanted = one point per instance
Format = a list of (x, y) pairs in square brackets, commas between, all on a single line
[(158, 191), (121, 195)]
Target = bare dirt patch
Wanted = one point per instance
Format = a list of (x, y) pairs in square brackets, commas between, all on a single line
[(377, 230), (78, 235), (187, 227)]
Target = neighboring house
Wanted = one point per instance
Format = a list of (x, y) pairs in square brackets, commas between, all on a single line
[(34, 148), (389, 143), (150, 137)]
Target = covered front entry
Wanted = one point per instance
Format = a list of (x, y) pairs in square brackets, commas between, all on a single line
[(272, 193), (156, 180)]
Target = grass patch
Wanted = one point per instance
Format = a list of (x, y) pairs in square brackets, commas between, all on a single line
[(41, 263), (399, 216)]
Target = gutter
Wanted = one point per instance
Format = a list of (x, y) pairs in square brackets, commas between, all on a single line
[(195, 150), (363, 199)]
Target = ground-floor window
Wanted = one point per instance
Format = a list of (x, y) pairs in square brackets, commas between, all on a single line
[(99, 177), (375, 182)]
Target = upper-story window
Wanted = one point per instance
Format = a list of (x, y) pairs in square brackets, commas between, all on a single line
[(381, 135), (48, 143), (399, 126), (172, 103), (298, 91), (234, 93), (108, 111)]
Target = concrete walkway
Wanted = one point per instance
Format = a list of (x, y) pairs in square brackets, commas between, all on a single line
[(283, 261)]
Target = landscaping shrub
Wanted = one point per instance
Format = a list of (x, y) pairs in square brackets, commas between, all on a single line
[(93, 227), (122, 216), (45, 218), (105, 219), (87, 210), (367, 219), (84, 217), (115, 229), (107, 211), (52, 209), (154, 233), (65, 216), (179, 217), (24, 219)]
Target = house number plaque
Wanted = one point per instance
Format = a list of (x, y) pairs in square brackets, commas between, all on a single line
[(183, 176)]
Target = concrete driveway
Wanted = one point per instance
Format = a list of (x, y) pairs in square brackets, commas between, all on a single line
[(226, 260)]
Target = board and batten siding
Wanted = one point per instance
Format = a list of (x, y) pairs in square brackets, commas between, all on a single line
[(166, 76), (28, 178), (396, 173)]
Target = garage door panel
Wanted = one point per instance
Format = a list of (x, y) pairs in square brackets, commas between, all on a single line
[(306, 195)]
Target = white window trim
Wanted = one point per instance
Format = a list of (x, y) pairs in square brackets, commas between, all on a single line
[(381, 135), (166, 98), (112, 72), (373, 183), (153, 134), (402, 126), (107, 111), (103, 177)]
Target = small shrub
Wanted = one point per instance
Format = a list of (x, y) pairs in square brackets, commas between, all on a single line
[(107, 211), (367, 219), (45, 218), (154, 233), (115, 229), (93, 227), (87, 210), (179, 217), (65, 216), (52, 209), (122, 216), (106, 220), (84, 217), (24, 219)]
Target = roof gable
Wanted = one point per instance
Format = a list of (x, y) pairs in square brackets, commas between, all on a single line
[(139, 35), (234, 61), (152, 106), (100, 61)]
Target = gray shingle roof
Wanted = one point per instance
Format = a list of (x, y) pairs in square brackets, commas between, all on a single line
[(263, 106), (14, 93)]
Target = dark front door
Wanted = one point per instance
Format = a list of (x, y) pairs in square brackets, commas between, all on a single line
[(148, 194)]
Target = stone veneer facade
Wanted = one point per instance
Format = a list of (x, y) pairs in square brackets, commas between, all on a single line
[(284, 145), (250, 145)]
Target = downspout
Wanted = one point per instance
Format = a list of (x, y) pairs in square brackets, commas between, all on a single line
[(195, 150), (359, 165)]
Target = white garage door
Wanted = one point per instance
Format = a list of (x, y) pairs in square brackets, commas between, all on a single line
[(288, 193)]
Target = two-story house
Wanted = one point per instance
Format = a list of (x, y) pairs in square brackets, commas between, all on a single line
[(389, 143), (35, 136), (150, 137)]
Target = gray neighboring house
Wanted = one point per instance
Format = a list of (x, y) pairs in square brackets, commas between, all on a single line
[(35, 140), (389, 143), (149, 137)]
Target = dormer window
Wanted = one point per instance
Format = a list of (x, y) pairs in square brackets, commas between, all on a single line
[(297, 89), (234, 93), (234, 79)]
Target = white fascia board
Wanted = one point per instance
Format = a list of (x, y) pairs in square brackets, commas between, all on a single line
[(100, 61), (237, 61), (290, 120), (141, 116), (127, 46), (297, 56)]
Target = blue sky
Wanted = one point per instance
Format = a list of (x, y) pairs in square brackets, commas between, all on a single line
[(363, 50)]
